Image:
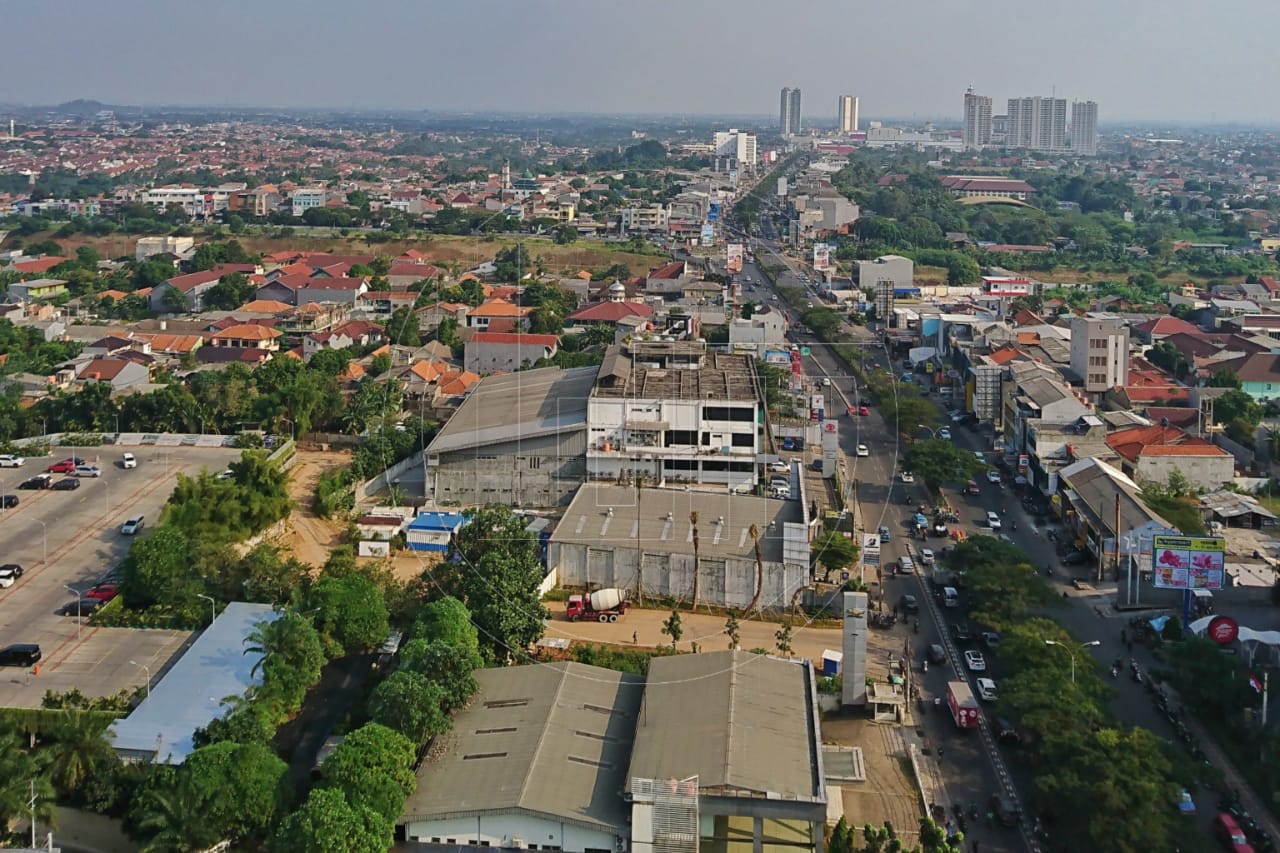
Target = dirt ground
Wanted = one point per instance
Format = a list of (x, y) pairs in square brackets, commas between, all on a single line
[(308, 536)]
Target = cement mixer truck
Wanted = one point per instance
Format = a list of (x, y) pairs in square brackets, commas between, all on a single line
[(603, 605)]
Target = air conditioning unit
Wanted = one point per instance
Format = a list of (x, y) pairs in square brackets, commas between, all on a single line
[(518, 843)]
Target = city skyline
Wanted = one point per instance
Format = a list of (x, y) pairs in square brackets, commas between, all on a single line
[(1088, 56)]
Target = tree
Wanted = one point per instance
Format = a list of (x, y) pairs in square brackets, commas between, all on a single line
[(496, 575), (291, 658), (381, 363), (373, 766), (447, 620), (1236, 405), (834, 551), (231, 291), (672, 628), (158, 570), (18, 769), (173, 301), (447, 331), (783, 638), (962, 269), (167, 815), (328, 823), (412, 704), (732, 631), (352, 612), (402, 329), (80, 750), (938, 461), (1224, 379), (244, 788), (330, 362)]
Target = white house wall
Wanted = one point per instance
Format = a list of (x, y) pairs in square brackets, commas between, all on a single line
[(503, 830)]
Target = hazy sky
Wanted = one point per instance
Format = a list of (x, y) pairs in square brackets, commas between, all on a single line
[(1140, 59)]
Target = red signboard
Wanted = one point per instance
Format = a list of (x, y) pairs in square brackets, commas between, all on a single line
[(1223, 630)]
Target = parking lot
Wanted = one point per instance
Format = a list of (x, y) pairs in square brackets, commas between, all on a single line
[(70, 539)]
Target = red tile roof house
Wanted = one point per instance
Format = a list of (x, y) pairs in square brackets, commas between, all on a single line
[(192, 286), (495, 309), (610, 312), (117, 372), (489, 352), (352, 333)]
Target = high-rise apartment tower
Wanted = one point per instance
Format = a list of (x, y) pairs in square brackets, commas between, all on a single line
[(1084, 128), (1037, 124), (847, 114), (789, 111), (977, 120)]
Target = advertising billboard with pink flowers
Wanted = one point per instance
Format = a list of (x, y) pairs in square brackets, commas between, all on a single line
[(1188, 562)]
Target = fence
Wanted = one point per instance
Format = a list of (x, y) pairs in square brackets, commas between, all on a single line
[(383, 481)]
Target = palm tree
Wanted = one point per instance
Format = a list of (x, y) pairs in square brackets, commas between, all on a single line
[(755, 599), (81, 750), (693, 520), (169, 817), (18, 769)]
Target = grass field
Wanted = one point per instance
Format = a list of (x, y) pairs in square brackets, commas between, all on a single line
[(442, 249)]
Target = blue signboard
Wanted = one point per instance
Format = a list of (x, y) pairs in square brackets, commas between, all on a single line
[(713, 212)]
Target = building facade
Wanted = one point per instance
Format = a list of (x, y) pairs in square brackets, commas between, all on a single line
[(977, 120), (1100, 352), (737, 144), (1084, 127), (895, 269), (847, 114), (789, 111), (1037, 124)]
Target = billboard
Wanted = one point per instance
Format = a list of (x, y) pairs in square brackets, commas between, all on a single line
[(708, 234), (780, 358), (1187, 562), (713, 212), (733, 177), (821, 257), (734, 254), (782, 186)]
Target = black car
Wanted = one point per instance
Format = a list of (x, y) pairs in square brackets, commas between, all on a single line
[(1005, 811), (66, 484), (80, 607), (909, 604), (39, 481), (1073, 558), (20, 654), (8, 501), (991, 640), (1004, 730), (936, 653), (962, 633), (9, 574)]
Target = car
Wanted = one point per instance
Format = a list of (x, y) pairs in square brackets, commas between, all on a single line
[(975, 661), (1005, 811), (945, 433), (980, 456), (993, 520), (1186, 805), (788, 443), (927, 557), (826, 382), (863, 451), (39, 481), (863, 411), (986, 689), (908, 477), (103, 592), (962, 634), (990, 639), (132, 526), (909, 604), (940, 529), (993, 477), (957, 417), (782, 492), (779, 467), (8, 501), (971, 488), (816, 465), (128, 461), (66, 466), (1005, 731), (906, 566), (9, 574), (884, 533), (66, 484), (907, 377), (20, 654), (1073, 558), (87, 471), (80, 607), (936, 653), (8, 460)]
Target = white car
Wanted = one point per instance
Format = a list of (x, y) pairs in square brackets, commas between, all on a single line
[(993, 521), (945, 433), (129, 461), (927, 557), (908, 477), (986, 689), (88, 471), (8, 460), (993, 477), (975, 661), (783, 492), (862, 450), (779, 468), (133, 526)]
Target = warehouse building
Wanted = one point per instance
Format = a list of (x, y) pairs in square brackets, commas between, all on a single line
[(518, 439), (716, 752), (643, 540)]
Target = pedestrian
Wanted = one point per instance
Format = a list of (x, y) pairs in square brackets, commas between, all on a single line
[(635, 638)]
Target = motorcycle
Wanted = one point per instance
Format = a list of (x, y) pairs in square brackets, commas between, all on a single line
[(1115, 672), (924, 667)]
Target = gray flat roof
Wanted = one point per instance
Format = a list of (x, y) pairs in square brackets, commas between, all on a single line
[(742, 723), (189, 696), (519, 405), (552, 739), (587, 521)]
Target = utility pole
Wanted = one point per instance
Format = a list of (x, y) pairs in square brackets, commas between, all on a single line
[(32, 803)]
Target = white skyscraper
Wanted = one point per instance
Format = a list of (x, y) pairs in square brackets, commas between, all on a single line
[(737, 144), (1084, 127), (1037, 124), (789, 111), (977, 120), (847, 114)]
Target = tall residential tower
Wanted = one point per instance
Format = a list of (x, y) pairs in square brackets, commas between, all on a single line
[(977, 120), (1084, 128), (847, 114), (1037, 124), (789, 111)]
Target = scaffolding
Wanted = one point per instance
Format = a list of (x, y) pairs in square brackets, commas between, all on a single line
[(664, 815)]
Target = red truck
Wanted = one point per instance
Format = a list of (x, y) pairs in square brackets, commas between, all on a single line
[(964, 708), (603, 605)]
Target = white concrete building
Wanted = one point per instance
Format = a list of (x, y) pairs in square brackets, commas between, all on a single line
[(847, 114), (1084, 127), (766, 328), (895, 269), (977, 120), (148, 246), (671, 411), (738, 144), (651, 217), (305, 199), (1100, 351)]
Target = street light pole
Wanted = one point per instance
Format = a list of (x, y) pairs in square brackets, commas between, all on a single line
[(1071, 653), (147, 670), (79, 624), (213, 613)]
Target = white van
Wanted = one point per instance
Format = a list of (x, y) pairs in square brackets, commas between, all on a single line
[(950, 598)]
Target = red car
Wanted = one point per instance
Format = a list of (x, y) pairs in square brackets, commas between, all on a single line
[(863, 411), (103, 592), (66, 466)]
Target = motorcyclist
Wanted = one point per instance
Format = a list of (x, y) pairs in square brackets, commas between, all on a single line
[(917, 626), (925, 666)]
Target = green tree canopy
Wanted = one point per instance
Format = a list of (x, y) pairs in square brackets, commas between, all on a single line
[(351, 614), (244, 788), (328, 823), (373, 766), (412, 704), (938, 461)]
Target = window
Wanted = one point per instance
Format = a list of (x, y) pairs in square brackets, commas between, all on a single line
[(1097, 361), (728, 413), (1097, 343), (535, 462), (681, 437), (744, 439)]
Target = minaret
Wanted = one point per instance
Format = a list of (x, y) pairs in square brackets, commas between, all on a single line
[(506, 174)]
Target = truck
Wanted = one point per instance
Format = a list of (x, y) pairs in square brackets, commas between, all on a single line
[(964, 708), (603, 605)]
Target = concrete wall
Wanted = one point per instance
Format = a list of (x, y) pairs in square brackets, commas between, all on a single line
[(539, 472), (366, 490), (1208, 472), (722, 582), (501, 831)]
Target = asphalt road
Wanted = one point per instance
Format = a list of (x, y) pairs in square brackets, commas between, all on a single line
[(71, 539)]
